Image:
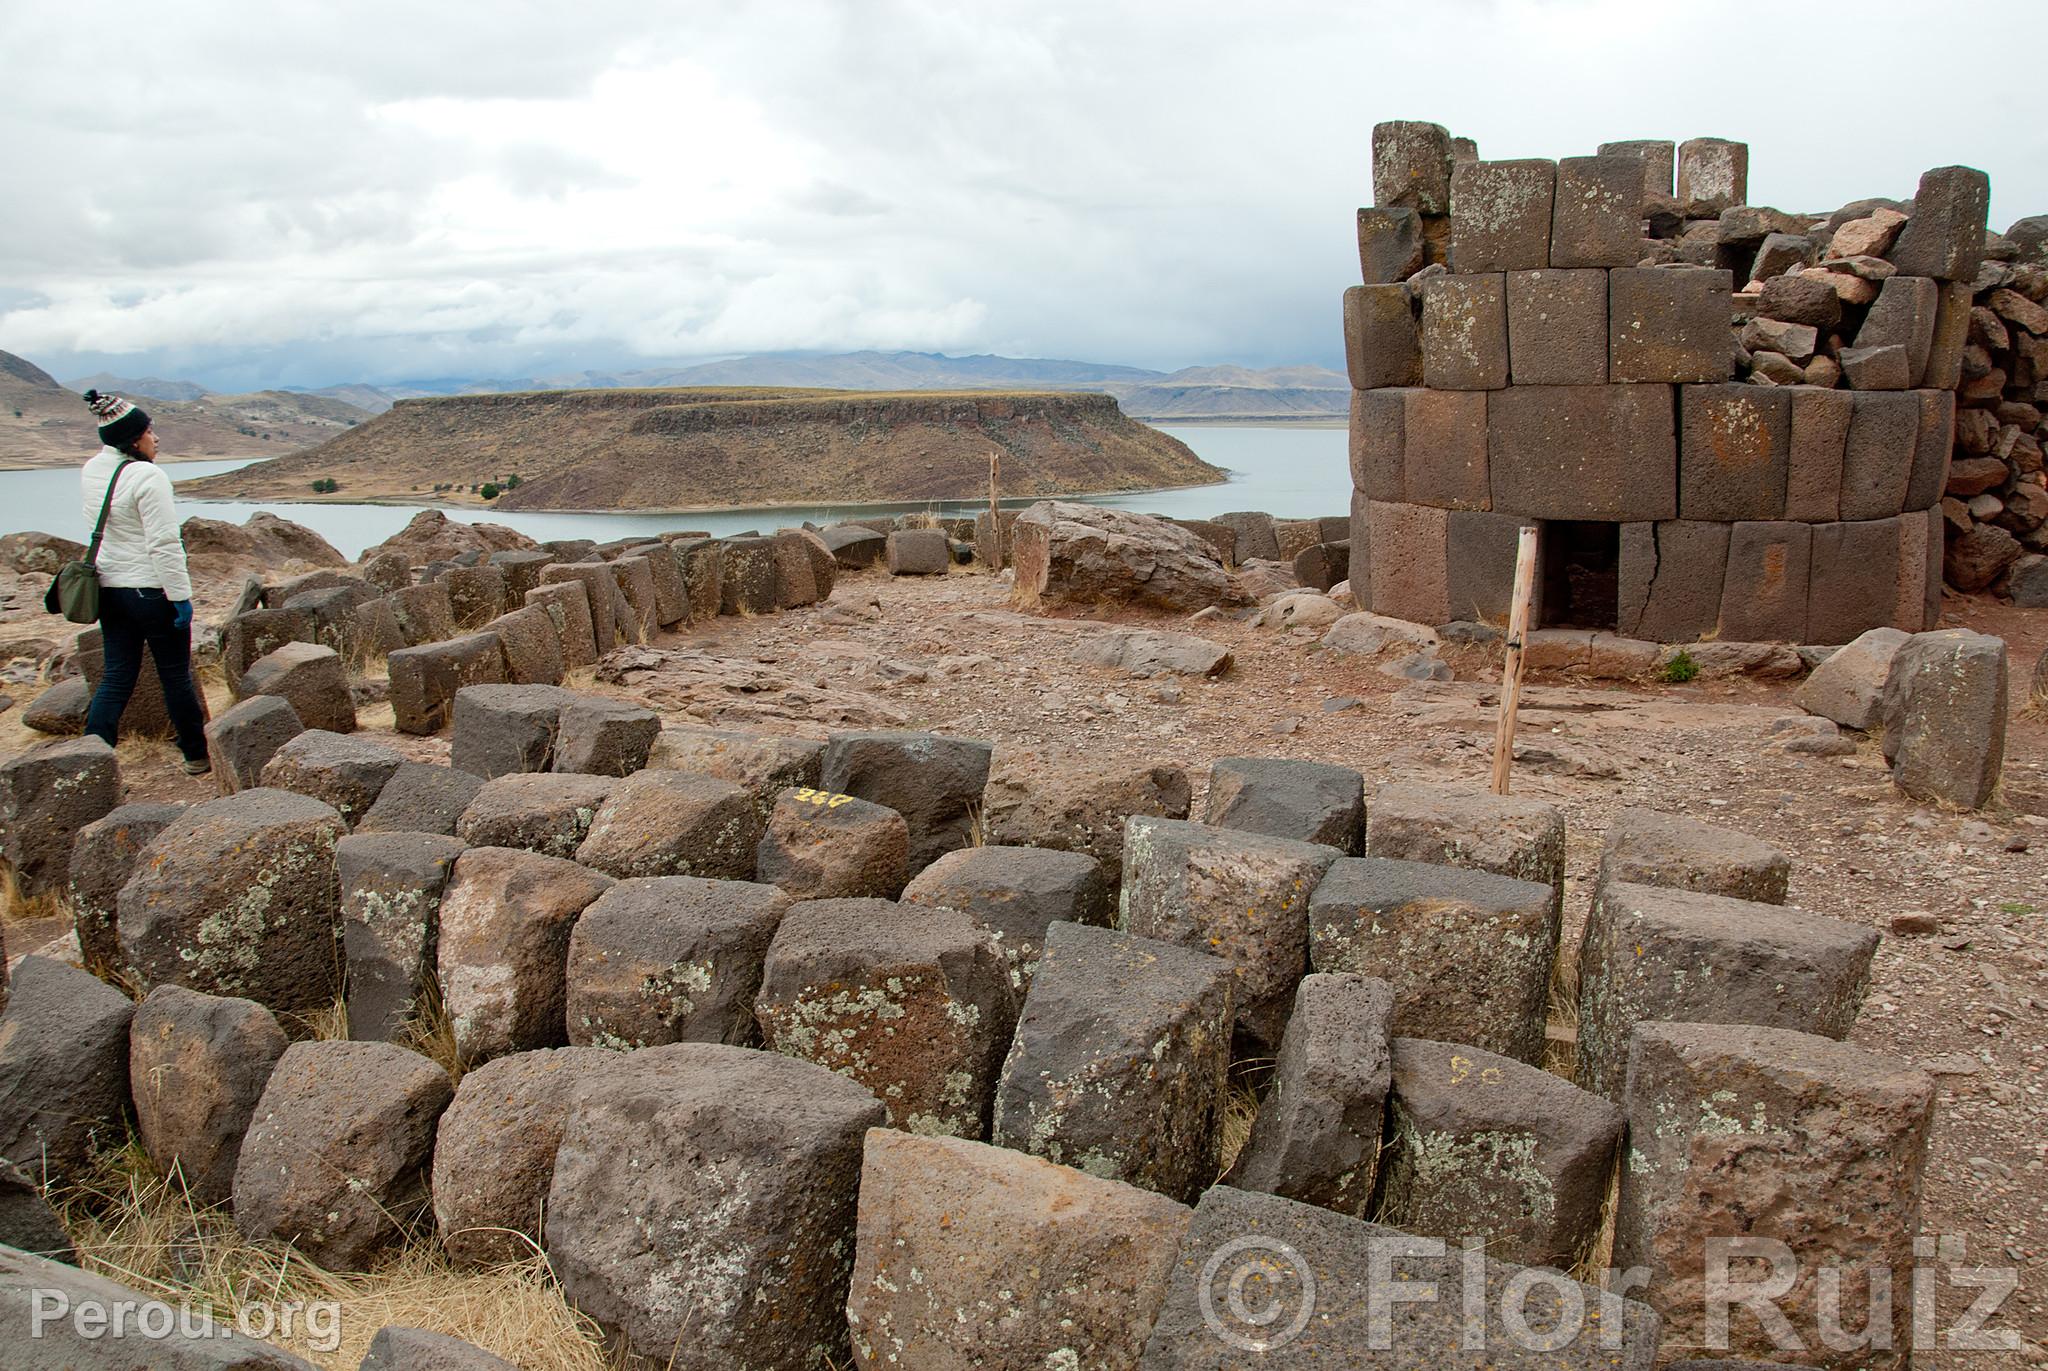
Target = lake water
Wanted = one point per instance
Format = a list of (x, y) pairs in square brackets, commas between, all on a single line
[(1292, 471)]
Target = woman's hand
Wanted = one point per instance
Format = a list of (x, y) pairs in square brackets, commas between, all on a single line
[(181, 613)]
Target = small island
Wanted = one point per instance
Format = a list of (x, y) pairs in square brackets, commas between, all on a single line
[(706, 449)]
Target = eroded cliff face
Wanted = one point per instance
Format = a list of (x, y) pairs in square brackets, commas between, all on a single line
[(696, 449)]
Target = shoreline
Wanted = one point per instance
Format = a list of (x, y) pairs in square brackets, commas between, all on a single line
[(1012, 502)]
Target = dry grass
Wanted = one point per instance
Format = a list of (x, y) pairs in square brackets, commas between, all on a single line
[(1561, 1041), (144, 1230), (431, 1033), (327, 1024), (1599, 1253), (17, 908), (1243, 1087)]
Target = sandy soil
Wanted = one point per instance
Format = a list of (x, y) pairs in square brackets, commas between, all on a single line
[(1970, 1001)]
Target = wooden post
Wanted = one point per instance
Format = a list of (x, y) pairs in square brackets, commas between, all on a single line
[(1511, 667), (995, 518)]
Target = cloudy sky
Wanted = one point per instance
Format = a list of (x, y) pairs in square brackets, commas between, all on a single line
[(307, 193)]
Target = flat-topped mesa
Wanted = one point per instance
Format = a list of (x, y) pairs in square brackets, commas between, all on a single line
[(1729, 421), (702, 449)]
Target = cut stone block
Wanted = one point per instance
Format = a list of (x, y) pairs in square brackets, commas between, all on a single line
[(918, 552), (1713, 170), (1904, 315), (532, 646), (424, 679), (103, 857), (1118, 1063), (934, 782), (1853, 579), (1016, 894), (1317, 1136), (29, 1225), (1411, 165), (253, 634), (1465, 952), (1443, 448), (668, 959), (1311, 802), (673, 823), (1218, 1309), (567, 605), (913, 1003), (1645, 847), (1652, 954), (747, 576), (476, 594), (1465, 332), (501, 730), (548, 813), (334, 615), (1671, 574), (1876, 368), (506, 917), (1944, 715), (63, 1070), (1945, 236), (599, 736), (1668, 324), (522, 570), (1584, 452), (671, 592), (1255, 538), (855, 548), (1382, 343), (1507, 836), (238, 897), (1951, 335), (744, 1240), (47, 794), (391, 888), (1932, 446), (598, 591), (1819, 440), (1849, 686), (1241, 896), (494, 1150), (421, 799), (1834, 1134), (634, 579), (821, 846), (345, 772), (1658, 158), (243, 738), (1557, 327), (376, 630), (765, 765), (1411, 575), (1734, 449), (1078, 805), (1378, 423), (1764, 597), (1045, 1266), (1484, 1146), (1322, 565), (335, 1160), (1597, 220), (1877, 457), (415, 1349), (61, 709), (423, 612), (1500, 215), (1480, 562), (1360, 560), (197, 1066), (1389, 244)]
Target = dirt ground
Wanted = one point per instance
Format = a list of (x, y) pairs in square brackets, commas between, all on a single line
[(1969, 1002)]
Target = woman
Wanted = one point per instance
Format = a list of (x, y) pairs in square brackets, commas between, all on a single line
[(145, 591)]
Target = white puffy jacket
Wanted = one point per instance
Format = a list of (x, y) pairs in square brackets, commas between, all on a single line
[(141, 547)]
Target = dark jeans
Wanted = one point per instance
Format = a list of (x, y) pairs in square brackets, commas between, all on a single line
[(128, 620)]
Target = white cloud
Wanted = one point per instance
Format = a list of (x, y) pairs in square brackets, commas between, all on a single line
[(312, 194)]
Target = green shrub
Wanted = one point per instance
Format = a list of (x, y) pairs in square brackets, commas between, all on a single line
[(512, 481), (1681, 668), (490, 490), (326, 485)]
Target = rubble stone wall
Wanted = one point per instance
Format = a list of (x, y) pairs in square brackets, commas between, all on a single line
[(1765, 403)]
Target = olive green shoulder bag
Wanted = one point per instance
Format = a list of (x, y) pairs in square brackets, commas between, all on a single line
[(75, 593)]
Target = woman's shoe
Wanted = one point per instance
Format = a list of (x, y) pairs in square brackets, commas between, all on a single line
[(198, 766)]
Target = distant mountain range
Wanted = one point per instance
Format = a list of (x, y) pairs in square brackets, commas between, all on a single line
[(1193, 393)]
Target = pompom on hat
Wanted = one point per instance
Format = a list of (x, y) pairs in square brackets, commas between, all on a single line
[(120, 422)]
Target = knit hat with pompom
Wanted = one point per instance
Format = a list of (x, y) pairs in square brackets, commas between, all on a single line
[(120, 422)]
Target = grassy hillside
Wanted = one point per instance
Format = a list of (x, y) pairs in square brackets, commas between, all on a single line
[(711, 448)]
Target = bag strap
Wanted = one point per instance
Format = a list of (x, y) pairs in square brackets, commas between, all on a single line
[(99, 530)]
